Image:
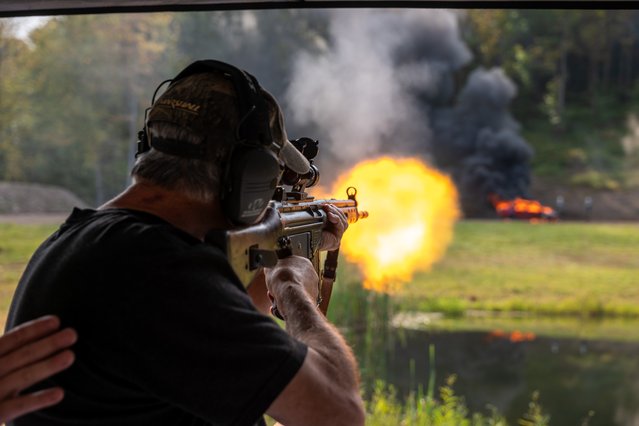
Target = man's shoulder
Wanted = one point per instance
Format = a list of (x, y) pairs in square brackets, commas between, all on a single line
[(113, 239), (118, 226)]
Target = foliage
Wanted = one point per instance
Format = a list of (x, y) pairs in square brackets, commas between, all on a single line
[(12, 104), (417, 409), (592, 150), (73, 95), (575, 76), (385, 408), (534, 416), (80, 109), (595, 179)]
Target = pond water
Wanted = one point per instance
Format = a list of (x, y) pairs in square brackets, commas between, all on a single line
[(593, 375)]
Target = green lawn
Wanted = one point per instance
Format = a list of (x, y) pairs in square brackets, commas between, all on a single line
[(17, 244), (551, 268)]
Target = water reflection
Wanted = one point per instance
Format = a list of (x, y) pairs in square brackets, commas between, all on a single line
[(503, 367)]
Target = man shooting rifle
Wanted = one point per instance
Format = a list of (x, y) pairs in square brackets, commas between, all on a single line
[(168, 335)]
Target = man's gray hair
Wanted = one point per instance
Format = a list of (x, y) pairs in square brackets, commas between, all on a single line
[(198, 178)]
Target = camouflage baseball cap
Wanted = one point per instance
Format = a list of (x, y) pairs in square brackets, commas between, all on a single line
[(205, 107)]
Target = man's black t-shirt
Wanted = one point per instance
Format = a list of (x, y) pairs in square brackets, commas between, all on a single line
[(167, 334)]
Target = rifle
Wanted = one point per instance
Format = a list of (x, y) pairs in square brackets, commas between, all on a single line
[(292, 225)]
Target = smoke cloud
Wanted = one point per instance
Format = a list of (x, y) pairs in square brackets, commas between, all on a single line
[(362, 94), (478, 141), (385, 84)]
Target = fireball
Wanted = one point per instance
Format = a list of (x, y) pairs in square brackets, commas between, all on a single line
[(412, 211)]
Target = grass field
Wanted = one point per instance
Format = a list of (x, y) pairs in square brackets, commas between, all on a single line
[(559, 268), (17, 244), (551, 268)]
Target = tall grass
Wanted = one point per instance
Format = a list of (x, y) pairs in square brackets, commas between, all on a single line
[(385, 409)]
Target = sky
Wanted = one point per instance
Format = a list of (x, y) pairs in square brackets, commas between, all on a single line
[(24, 25)]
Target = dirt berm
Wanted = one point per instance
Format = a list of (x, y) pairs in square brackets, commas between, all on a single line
[(588, 204), (32, 198), (578, 203)]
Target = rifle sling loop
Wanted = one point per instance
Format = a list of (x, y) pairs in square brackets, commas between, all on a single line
[(329, 273)]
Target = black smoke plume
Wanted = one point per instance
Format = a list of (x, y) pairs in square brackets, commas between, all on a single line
[(478, 141), (385, 84)]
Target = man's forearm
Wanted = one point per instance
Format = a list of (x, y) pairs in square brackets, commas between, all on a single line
[(325, 390), (307, 324)]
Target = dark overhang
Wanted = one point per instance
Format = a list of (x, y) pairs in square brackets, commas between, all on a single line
[(71, 7)]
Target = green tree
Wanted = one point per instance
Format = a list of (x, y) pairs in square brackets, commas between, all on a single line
[(13, 103), (264, 43), (87, 76)]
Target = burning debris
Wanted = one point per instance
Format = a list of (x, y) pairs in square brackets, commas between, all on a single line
[(521, 208), (479, 141)]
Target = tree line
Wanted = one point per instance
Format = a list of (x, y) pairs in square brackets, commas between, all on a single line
[(73, 95)]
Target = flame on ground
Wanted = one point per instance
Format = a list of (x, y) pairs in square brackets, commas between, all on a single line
[(521, 208), (412, 211)]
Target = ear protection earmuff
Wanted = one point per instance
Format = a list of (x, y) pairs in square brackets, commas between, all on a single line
[(252, 172)]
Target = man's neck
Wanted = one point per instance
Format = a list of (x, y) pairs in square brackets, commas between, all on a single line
[(192, 216)]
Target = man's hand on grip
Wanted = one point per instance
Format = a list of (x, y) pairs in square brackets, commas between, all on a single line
[(335, 228), (291, 272)]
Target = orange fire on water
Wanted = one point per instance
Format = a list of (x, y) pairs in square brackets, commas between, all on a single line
[(514, 336), (412, 210)]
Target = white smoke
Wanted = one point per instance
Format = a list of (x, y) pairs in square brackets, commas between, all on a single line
[(362, 92)]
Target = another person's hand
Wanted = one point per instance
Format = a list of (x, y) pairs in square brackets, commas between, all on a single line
[(292, 271), (30, 353), (335, 228)]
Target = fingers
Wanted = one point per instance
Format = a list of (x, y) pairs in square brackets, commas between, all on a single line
[(336, 216), (35, 351), (13, 383), (29, 354), (15, 407), (335, 228), (28, 332)]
